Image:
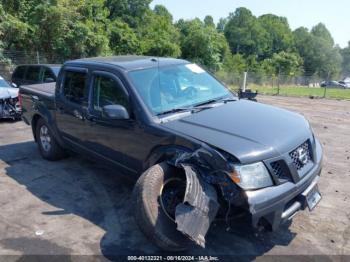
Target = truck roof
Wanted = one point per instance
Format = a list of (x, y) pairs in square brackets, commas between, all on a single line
[(131, 62), (47, 65)]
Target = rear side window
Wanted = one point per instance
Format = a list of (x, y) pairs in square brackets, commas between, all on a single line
[(107, 91), (48, 75), (75, 88), (19, 72), (33, 73)]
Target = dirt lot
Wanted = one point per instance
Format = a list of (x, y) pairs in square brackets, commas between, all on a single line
[(76, 207)]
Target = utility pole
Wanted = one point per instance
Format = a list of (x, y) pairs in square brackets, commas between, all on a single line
[(244, 81), (325, 88), (37, 57), (278, 80)]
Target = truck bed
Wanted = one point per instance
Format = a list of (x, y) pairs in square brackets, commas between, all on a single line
[(37, 98), (46, 90)]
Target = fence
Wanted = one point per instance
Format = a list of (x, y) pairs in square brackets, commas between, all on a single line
[(286, 85)]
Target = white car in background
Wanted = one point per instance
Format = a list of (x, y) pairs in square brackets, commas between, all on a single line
[(10, 104), (344, 84)]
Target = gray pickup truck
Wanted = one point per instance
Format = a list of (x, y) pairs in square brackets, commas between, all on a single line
[(196, 150)]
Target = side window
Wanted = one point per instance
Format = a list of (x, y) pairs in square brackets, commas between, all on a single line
[(48, 76), (19, 72), (107, 91), (33, 73), (74, 88)]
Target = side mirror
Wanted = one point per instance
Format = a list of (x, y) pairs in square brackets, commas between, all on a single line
[(49, 80), (14, 85), (116, 112)]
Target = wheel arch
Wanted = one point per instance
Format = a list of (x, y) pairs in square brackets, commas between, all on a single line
[(51, 125), (34, 123), (164, 153)]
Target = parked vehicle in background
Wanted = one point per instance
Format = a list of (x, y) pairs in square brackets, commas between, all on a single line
[(35, 74), (331, 84), (197, 150), (9, 101), (344, 84)]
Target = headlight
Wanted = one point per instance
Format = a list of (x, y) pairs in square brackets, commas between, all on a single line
[(253, 176)]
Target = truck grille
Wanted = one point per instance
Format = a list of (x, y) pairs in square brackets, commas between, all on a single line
[(277, 169), (302, 155), (280, 170)]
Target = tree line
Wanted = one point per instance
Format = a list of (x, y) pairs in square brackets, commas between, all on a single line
[(264, 45)]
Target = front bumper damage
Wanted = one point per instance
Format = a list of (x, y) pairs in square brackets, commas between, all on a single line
[(199, 208), (9, 108), (200, 205), (274, 205)]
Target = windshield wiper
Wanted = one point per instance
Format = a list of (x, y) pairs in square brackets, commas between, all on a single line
[(198, 107), (175, 110), (212, 101), (228, 100)]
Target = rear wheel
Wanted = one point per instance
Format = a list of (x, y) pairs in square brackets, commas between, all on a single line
[(156, 194), (48, 146)]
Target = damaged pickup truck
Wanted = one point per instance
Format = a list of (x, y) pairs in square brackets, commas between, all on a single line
[(197, 151)]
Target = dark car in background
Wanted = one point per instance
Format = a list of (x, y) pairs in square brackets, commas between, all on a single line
[(331, 84), (35, 74)]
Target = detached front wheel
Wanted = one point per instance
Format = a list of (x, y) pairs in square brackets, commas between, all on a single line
[(156, 194), (48, 146)]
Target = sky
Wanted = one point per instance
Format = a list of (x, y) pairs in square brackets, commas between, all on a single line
[(334, 14)]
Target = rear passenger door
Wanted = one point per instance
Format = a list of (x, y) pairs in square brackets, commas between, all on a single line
[(72, 105)]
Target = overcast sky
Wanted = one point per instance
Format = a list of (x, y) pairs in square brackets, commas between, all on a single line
[(334, 14)]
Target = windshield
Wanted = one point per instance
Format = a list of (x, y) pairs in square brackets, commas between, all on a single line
[(174, 87), (3, 83)]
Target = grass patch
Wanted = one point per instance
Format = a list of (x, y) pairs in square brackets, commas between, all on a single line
[(303, 91)]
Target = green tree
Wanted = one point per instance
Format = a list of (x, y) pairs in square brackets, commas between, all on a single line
[(158, 36), (345, 52), (162, 11), (321, 31), (244, 33), (130, 11), (221, 25), (209, 21), (202, 44), (71, 29), (122, 39), (287, 63), (235, 63), (317, 50), (16, 35), (279, 34)]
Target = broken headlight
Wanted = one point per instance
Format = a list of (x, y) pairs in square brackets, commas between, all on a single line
[(252, 176)]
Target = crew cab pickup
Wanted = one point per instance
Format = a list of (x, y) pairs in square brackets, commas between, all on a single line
[(196, 150)]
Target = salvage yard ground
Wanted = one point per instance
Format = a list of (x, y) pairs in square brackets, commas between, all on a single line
[(77, 207)]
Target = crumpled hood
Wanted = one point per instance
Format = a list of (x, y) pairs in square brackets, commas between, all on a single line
[(249, 131), (8, 92)]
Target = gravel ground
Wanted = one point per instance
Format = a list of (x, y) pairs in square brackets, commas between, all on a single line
[(76, 207)]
